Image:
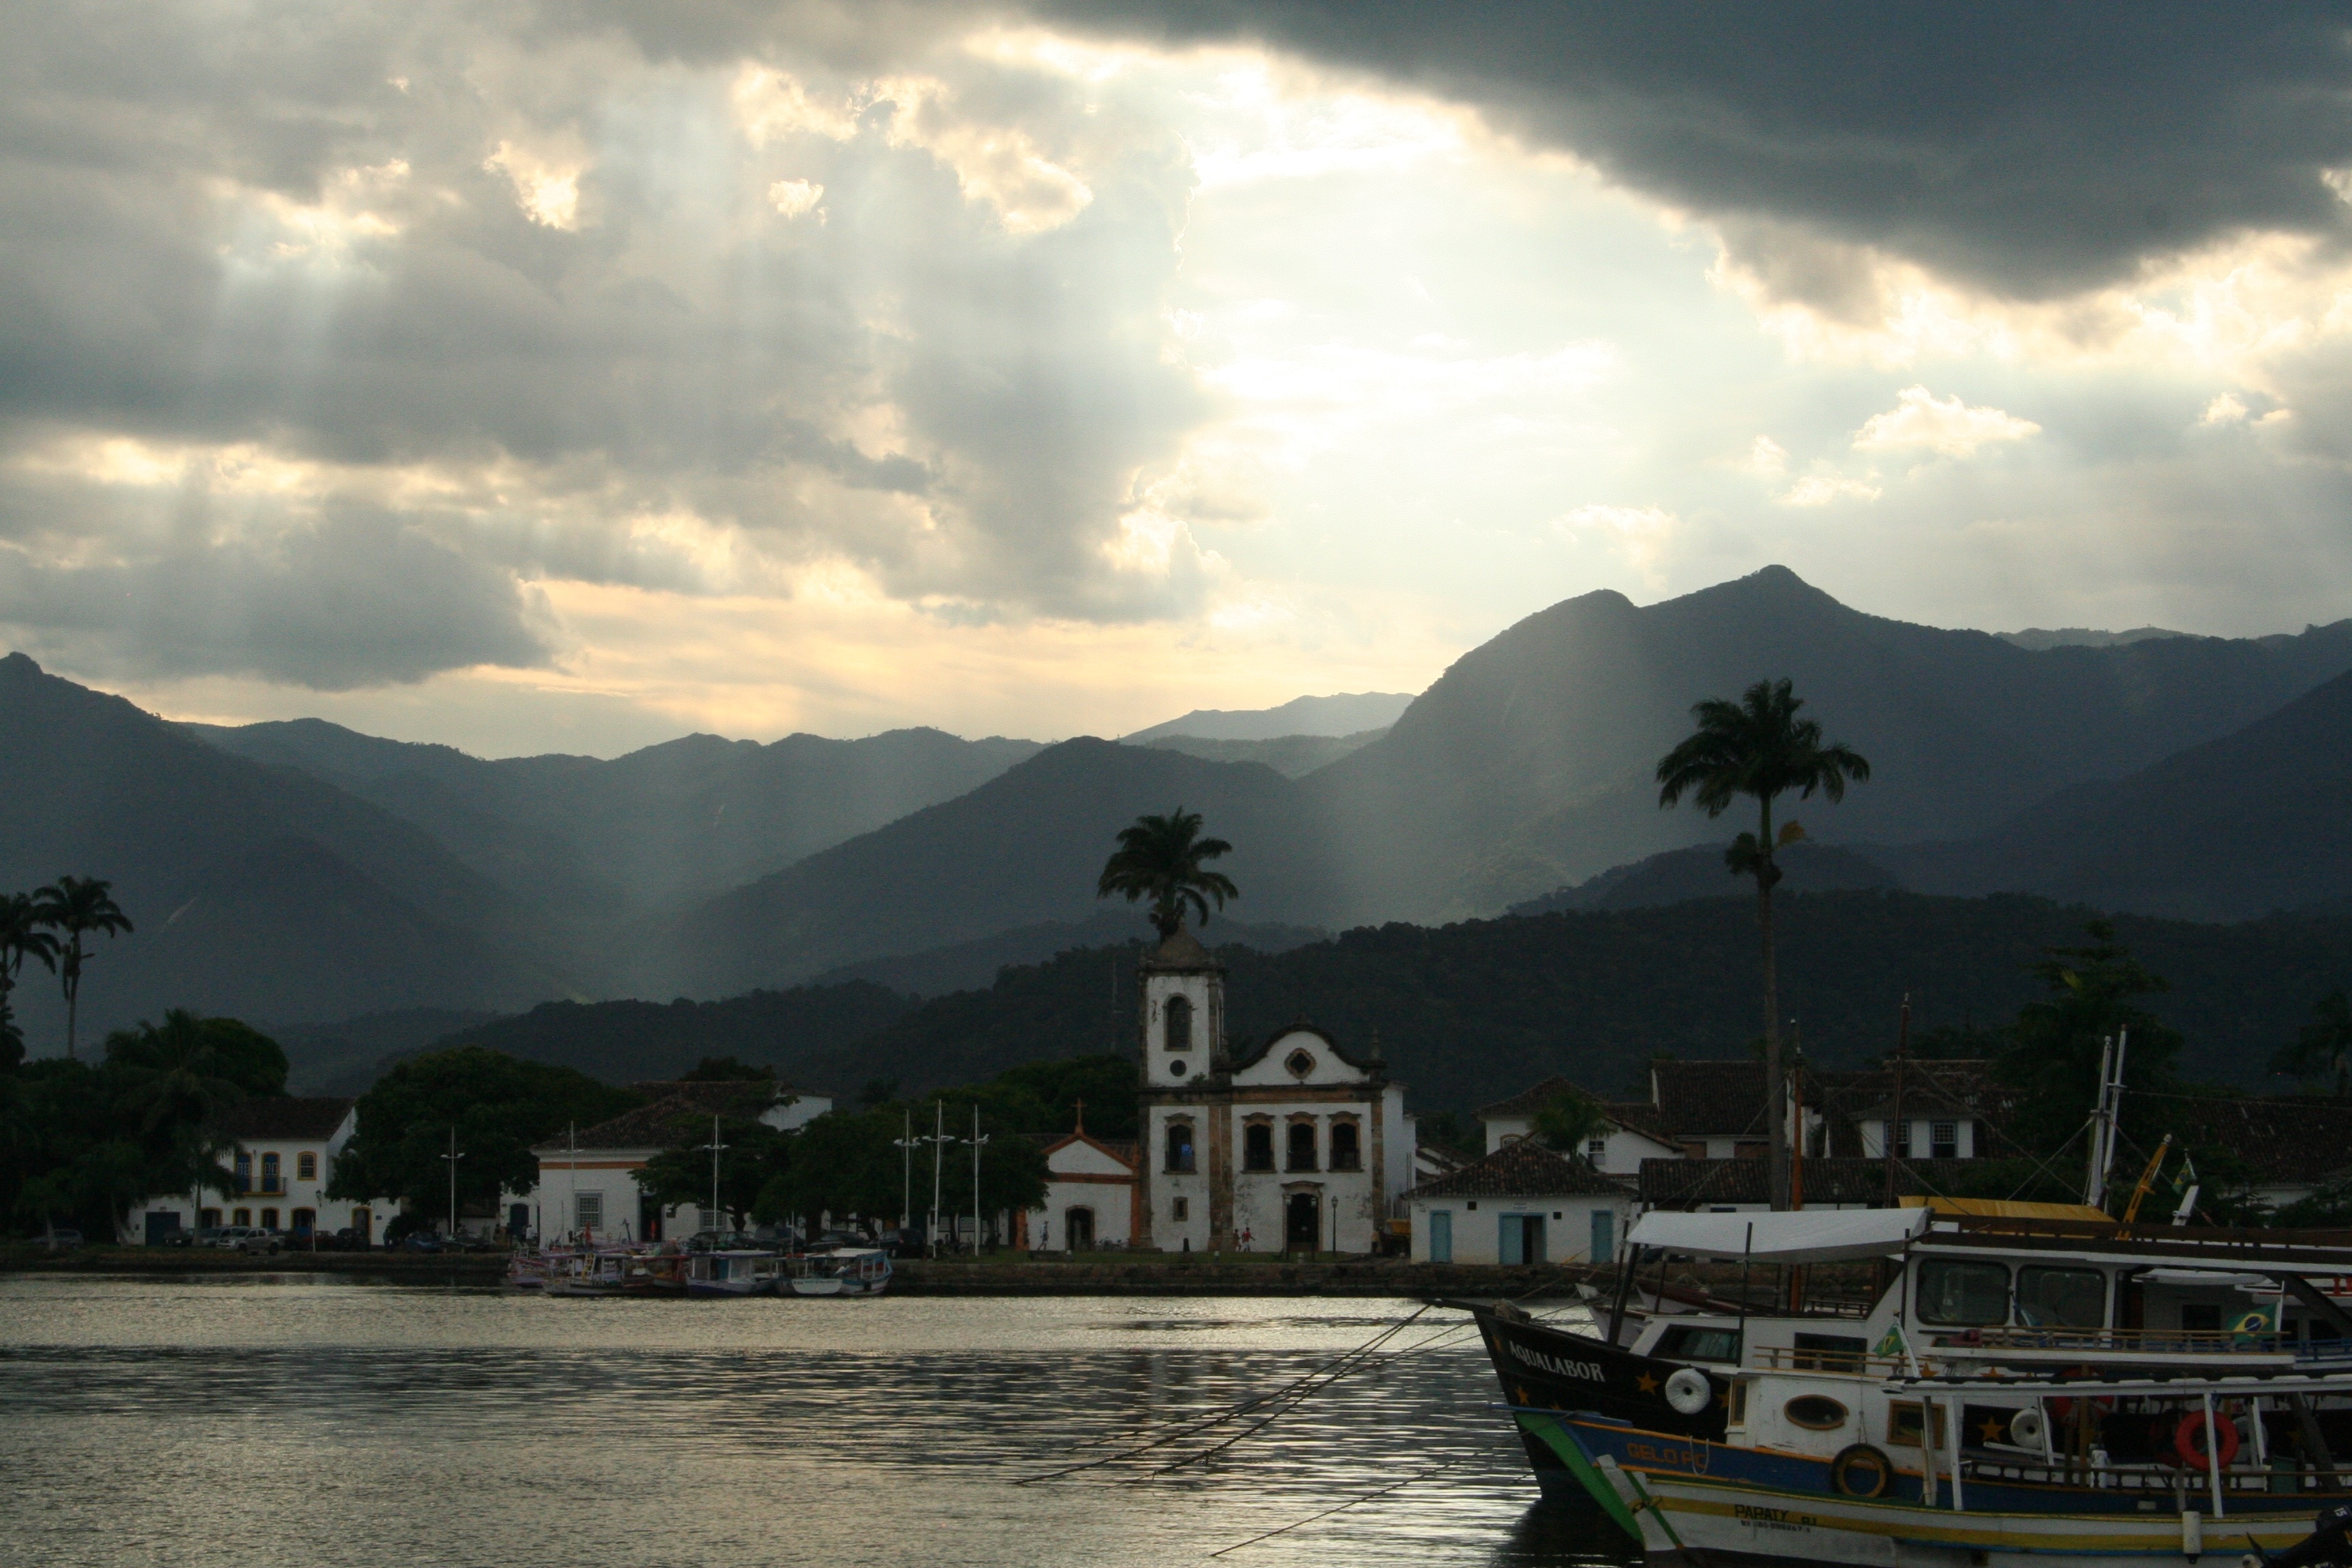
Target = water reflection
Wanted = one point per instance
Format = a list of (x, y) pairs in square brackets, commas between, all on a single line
[(323, 1422)]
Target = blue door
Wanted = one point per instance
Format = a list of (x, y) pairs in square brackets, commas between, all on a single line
[(1604, 1236), (1441, 1235), (1520, 1238)]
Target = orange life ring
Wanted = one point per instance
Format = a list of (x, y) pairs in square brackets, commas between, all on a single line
[(2191, 1427)]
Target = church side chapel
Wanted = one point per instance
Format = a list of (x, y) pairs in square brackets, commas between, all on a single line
[(1297, 1144)]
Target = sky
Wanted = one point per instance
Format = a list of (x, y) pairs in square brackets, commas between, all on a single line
[(570, 377)]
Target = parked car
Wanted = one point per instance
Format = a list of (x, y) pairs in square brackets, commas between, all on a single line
[(420, 1241), (246, 1238), (59, 1237)]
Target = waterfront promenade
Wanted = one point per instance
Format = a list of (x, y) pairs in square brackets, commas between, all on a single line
[(1010, 1274)]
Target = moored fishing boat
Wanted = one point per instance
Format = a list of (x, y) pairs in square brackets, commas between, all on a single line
[(2017, 1385), (598, 1273), (842, 1271), (733, 1273)]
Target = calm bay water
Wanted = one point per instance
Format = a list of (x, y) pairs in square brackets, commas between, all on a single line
[(302, 1420)]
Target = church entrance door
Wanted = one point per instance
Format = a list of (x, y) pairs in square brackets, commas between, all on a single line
[(1078, 1230), (1303, 1223)]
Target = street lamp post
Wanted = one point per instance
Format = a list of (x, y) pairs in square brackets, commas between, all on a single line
[(939, 1140), (907, 1142), (714, 1146), (453, 1157), (976, 1141)]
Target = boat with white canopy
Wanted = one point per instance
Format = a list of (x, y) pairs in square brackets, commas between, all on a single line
[(2012, 1381)]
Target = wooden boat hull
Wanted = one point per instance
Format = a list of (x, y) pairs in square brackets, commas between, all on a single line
[(1555, 1369), (1710, 1505)]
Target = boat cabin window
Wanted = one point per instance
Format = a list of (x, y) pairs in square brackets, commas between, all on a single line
[(2061, 1298), (1691, 1341), (2199, 1318), (1962, 1292)]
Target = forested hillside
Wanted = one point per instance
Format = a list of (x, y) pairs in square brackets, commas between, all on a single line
[(1470, 1013)]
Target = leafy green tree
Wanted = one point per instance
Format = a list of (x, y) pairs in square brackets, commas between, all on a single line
[(1046, 1097), (1570, 1120), (2324, 1047), (1759, 747), (754, 1154), (174, 1083), (80, 907), (1165, 859), (500, 1107), (842, 1163), (228, 1050), (2091, 995)]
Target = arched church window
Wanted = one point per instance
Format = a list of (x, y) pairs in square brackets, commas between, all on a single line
[(1179, 1034), (1302, 1145), (1346, 1154), (1258, 1147), (1180, 1145)]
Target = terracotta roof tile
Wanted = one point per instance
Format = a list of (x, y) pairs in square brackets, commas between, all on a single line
[(284, 1117), (1675, 1184), (1523, 1167)]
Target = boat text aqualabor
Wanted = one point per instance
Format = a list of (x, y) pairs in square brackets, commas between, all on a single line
[(2014, 1384)]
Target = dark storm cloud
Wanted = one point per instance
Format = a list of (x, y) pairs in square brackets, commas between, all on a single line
[(358, 602), (308, 230), (2033, 149)]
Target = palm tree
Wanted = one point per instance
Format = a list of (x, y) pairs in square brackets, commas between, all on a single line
[(1758, 747), (1159, 858), (79, 907), (1570, 1122), (2325, 1045), (177, 1083), (22, 937)]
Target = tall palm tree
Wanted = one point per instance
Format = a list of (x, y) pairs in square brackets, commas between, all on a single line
[(178, 1085), (22, 936), (1160, 858), (1758, 747), (2325, 1045), (79, 907)]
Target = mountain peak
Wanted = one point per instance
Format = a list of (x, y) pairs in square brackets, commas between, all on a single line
[(20, 666)]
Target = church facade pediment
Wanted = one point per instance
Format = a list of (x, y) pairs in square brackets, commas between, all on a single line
[(1297, 1144)]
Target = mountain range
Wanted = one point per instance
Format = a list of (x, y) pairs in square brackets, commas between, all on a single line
[(300, 872)]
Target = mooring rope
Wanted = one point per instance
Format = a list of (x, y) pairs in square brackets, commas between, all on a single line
[(1342, 1507), (1192, 1425)]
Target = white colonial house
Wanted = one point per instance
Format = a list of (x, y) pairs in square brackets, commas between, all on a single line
[(1521, 1204), (1092, 1198), (1296, 1143), (283, 1150), (587, 1188), (1628, 1135)]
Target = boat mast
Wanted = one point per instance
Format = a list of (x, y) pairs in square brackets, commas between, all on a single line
[(1887, 1127), (2103, 1118)]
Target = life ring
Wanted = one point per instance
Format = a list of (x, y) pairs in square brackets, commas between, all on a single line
[(1688, 1391), (2026, 1428), (1861, 1471), (2192, 1427)]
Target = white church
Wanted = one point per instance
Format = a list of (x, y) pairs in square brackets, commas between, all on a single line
[(1294, 1143)]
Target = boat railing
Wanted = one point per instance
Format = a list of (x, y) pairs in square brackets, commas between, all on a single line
[(2118, 1342), (1852, 1363)]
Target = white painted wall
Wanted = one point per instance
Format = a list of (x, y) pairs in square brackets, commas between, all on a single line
[(1478, 1234)]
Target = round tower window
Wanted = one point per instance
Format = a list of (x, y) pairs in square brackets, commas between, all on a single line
[(1176, 1070), (1300, 1064)]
